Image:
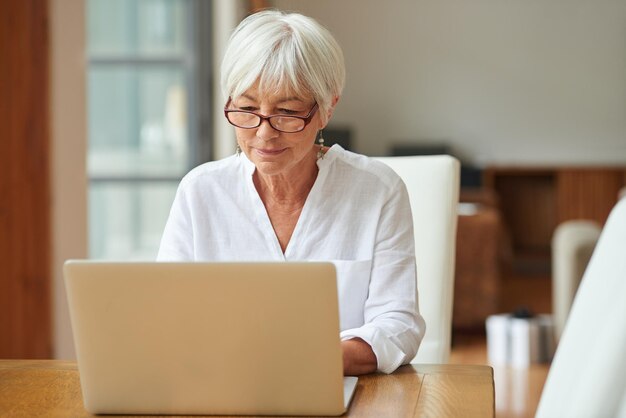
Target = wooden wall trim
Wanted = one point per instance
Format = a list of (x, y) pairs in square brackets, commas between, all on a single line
[(25, 316)]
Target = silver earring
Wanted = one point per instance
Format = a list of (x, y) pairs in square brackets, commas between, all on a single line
[(238, 150), (320, 141)]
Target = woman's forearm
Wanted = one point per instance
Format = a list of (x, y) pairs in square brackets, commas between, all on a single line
[(358, 357)]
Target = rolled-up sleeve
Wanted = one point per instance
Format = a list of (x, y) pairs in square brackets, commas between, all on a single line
[(392, 325)]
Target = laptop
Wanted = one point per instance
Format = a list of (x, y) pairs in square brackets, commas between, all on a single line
[(208, 338)]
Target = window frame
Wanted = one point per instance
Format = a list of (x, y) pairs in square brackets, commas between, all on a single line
[(196, 64)]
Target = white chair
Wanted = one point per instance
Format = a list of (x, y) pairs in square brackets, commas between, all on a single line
[(588, 374), (433, 186), (572, 245)]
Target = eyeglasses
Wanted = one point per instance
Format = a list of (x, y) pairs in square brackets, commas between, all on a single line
[(282, 123)]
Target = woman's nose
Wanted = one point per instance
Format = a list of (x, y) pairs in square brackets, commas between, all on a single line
[(265, 131)]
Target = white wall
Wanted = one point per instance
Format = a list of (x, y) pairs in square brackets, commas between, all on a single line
[(69, 150), (226, 15), (502, 81)]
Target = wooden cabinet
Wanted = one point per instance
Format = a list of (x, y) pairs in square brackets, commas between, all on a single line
[(587, 193), (477, 272), (534, 200)]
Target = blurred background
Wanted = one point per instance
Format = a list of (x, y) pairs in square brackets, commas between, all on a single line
[(106, 104)]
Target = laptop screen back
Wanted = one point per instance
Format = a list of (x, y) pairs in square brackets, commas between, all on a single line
[(207, 338)]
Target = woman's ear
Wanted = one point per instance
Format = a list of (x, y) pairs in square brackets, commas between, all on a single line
[(331, 109)]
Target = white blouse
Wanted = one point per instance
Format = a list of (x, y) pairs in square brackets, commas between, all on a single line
[(357, 216)]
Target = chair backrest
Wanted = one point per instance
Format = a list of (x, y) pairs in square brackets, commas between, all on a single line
[(573, 243), (433, 186), (588, 374)]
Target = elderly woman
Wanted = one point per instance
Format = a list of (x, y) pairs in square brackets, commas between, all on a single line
[(285, 197)]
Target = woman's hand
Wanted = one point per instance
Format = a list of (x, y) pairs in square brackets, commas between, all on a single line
[(358, 357)]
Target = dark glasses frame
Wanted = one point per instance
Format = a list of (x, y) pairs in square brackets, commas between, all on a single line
[(307, 119)]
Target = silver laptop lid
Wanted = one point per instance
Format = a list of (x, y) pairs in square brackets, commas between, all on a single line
[(207, 338)]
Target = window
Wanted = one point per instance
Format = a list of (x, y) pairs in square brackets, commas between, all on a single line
[(144, 118)]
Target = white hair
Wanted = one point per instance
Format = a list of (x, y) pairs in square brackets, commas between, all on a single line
[(284, 51)]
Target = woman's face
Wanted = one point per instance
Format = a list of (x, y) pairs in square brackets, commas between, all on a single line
[(274, 152)]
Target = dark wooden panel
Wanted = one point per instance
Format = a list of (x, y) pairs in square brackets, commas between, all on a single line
[(529, 209), (588, 193), (25, 323)]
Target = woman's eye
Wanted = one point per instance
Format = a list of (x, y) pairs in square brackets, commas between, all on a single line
[(288, 111), (247, 108)]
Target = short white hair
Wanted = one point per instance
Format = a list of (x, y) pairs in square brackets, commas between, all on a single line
[(284, 51)]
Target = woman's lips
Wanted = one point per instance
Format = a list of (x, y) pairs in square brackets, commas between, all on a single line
[(269, 152)]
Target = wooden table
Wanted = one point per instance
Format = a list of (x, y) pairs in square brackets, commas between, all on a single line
[(52, 388)]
